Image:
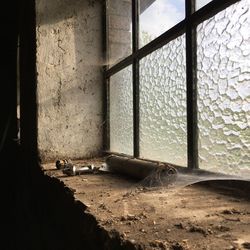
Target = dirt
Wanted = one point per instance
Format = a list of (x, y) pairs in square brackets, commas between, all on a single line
[(192, 217)]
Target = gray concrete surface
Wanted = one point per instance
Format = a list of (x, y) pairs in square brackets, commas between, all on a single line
[(69, 68)]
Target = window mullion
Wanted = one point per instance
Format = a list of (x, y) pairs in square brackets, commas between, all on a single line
[(191, 78), (106, 92), (135, 44)]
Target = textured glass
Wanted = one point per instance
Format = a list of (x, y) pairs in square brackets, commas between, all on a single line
[(121, 112), (158, 16), (163, 133), (119, 30), (201, 3), (224, 90)]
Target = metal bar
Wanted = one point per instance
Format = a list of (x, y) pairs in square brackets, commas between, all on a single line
[(135, 43), (107, 117), (210, 10), (136, 108), (106, 33), (191, 81), (119, 66), (106, 125), (163, 39), (108, 153), (135, 26)]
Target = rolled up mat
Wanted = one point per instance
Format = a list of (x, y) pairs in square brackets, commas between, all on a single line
[(136, 168)]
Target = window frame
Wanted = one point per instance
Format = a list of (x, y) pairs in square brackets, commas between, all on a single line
[(188, 27)]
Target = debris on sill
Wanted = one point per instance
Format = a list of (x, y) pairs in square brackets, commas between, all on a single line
[(70, 169)]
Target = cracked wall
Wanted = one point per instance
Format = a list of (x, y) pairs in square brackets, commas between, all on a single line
[(69, 81)]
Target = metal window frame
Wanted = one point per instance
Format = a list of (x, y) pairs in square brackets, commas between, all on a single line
[(136, 80), (188, 26)]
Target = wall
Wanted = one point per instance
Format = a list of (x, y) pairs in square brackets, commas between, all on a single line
[(69, 90)]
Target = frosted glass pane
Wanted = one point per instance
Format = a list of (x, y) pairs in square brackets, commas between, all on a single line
[(158, 16), (201, 3), (119, 30), (121, 112), (224, 90), (163, 132)]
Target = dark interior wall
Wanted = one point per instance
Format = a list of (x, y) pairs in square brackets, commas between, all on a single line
[(28, 84), (18, 22), (8, 122), (9, 21), (37, 211)]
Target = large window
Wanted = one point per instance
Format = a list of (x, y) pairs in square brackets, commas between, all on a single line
[(178, 82)]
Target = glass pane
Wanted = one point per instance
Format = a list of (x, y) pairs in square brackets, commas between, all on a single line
[(224, 90), (163, 133), (158, 16), (201, 3), (119, 30), (121, 112)]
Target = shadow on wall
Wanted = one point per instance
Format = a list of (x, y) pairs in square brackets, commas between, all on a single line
[(51, 12), (69, 62)]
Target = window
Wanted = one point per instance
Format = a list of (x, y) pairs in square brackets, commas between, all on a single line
[(119, 20), (181, 92), (158, 16), (121, 112), (163, 125), (223, 81)]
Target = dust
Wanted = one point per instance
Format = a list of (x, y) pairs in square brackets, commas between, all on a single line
[(172, 178)]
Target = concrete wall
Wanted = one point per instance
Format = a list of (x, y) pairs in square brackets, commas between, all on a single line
[(69, 90)]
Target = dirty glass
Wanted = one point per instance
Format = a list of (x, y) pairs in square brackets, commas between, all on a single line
[(224, 90), (119, 30), (158, 16), (163, 133), (121, 112)]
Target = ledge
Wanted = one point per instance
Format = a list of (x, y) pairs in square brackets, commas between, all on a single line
[(128, 216)]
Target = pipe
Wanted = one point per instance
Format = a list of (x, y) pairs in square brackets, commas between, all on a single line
[(137, 169)]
